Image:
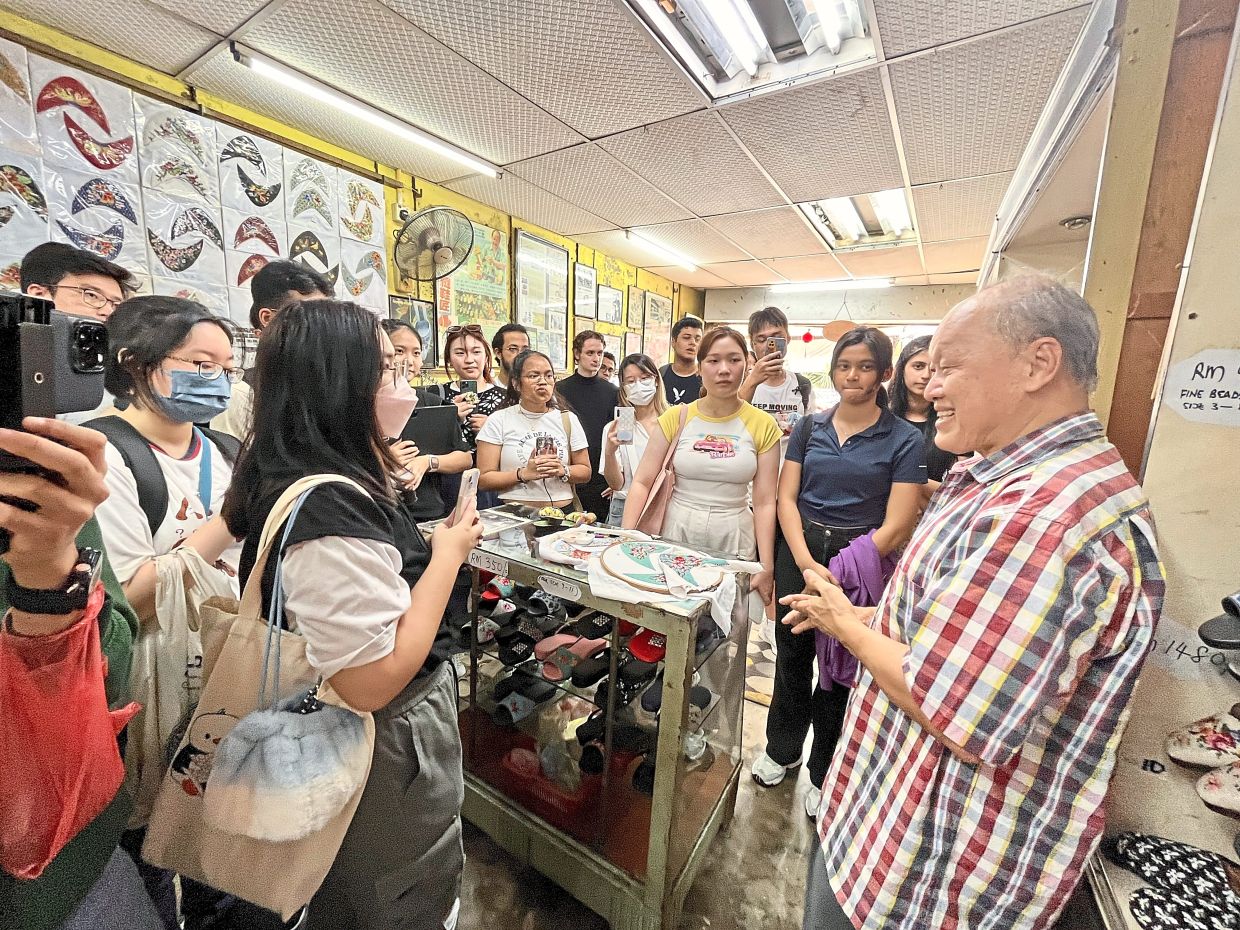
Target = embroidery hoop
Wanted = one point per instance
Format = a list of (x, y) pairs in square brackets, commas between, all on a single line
[(611, 561)]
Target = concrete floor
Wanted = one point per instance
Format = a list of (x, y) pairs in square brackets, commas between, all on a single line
[(755, 879)]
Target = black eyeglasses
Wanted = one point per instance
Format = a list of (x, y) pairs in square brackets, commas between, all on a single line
[(211, 371), (473, 329)]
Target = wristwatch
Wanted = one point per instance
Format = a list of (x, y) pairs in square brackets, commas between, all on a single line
[(72, 596), (432, 464)]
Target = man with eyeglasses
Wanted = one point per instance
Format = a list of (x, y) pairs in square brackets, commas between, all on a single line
[(78, 282)]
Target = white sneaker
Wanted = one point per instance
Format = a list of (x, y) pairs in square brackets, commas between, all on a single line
[(768, 773), (813, 798)]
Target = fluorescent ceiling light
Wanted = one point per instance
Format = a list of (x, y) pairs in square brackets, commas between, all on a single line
[(892, 211), (316, 90), (672, 256), (827, 22), (844, 217), (856, 284), (731, 32)]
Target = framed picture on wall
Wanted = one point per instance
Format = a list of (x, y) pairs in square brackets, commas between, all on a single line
[(658, 328), (612, 344), (420, 314), (542, 294), (585, 293), (611, 305), (632, 343)]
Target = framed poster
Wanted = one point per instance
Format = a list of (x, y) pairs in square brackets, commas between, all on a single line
[(585, 295), (420, 314), (611, 305), (658, 328), (614, 345), (632, 343), (477, 292), (542, 296)]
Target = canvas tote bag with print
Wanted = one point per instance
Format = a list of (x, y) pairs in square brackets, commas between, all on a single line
[(280, 876)]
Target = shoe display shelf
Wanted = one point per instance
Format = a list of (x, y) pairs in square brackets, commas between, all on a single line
[(1168, 805), (626, 841)]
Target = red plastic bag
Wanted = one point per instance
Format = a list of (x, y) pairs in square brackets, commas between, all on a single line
[(59, 763)]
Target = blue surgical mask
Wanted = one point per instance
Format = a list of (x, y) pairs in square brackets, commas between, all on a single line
[(194, 398)]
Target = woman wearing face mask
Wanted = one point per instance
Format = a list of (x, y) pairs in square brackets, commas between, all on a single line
[(509, 455), (909, 403), (851, 484), (642, 389), (368, 595), (727, 447)]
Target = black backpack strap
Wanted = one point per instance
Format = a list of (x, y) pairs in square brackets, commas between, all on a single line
[(230, 446), (805, 388), (141, 462)]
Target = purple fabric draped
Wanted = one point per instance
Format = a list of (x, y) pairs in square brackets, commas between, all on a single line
[(863, 574)]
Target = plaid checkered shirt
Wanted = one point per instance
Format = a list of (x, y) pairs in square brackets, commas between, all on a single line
[(1028, 598)]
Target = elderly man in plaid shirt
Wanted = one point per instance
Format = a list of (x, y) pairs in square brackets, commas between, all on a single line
[(997, 669)]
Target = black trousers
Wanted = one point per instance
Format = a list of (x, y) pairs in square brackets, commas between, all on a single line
[(796, 700)]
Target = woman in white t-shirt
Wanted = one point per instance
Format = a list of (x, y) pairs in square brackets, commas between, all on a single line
[(170, 366), (532, 451), (642, 389), (726, 447)]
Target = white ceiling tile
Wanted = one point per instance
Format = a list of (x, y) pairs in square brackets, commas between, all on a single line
[(970, 110), (882, 263), (746, 274), (588, 62), (769, 233), (595, 181), (377, 56), (237, 84), (699, 278), (616, 244), (709, 172), (809, 268), (910, 25), (532, 204), (220, 16), (829, 139), (955, 255), (694, 240), (959, 209), (132, 28)]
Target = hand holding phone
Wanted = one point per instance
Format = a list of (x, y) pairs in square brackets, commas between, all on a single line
[(467, 497), (779, 345)]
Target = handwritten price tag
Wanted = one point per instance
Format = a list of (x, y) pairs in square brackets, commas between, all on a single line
[(559, 587), (489, 563)]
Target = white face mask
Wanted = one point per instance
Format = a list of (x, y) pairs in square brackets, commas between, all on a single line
[(641, 392)]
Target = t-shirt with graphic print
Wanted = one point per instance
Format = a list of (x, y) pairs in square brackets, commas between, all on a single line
[(785, 403), (516, 430), (126, 531), (716, 459)]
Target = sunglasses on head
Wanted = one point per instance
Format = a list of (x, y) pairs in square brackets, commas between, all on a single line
[(472, 329)]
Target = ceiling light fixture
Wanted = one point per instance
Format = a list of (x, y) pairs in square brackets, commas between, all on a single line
[(826, 22), (731, 32), (671, 255), (844, 217), (892, 211), (855, 284), (316, 90)]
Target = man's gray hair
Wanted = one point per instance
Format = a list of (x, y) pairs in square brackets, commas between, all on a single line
[(1032, 307)]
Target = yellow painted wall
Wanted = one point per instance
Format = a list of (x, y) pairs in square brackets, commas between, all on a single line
[(399, 184)]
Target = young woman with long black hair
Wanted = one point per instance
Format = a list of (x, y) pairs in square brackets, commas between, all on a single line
[(909, 403), (368, 594), (850, 471)]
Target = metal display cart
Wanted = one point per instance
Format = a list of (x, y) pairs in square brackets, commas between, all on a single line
[(628, 855)]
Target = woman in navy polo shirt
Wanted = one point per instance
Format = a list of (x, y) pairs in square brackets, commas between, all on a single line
[(849, 470)]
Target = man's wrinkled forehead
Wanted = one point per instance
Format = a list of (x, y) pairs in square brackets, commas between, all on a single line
[(966, 328)]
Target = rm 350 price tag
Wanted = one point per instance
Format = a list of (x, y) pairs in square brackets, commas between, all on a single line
[(489, 563)]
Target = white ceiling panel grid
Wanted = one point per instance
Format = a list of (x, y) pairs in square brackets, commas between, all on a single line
[(829, 139), (588, 62), (522, 199), (133, 28), (959, 209), (696, 161), (381, 58), (593, 180), (954, 256), (879, 263), (222, 76), (809, 268), (911, 25), (618, 245), (694, 240), (746, 274), (220, 16), (699, 278), (769, 233), (970, 109)]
